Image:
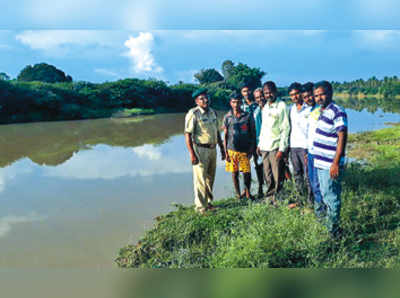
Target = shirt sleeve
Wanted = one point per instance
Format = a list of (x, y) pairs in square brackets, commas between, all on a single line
[(285, 128), (225, 123), (190, 120), (340, 121), (258, 122), (253, 134)]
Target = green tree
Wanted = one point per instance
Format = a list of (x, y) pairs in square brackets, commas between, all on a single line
[(206, 76), (4, 76), (43, 72), (243, 73)]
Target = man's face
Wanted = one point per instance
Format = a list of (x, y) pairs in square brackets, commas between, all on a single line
[(308, 98), (269, 94), (259, 98), (322, 97), (235, 104), (202, 101), (245, 92), (295, 96)]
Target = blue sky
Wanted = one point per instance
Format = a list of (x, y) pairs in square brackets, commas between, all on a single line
[(171, 40)]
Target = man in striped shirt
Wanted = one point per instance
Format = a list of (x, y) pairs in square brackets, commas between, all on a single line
[(329, 151)]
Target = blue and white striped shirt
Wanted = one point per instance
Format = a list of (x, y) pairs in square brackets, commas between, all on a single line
[(332, 120)]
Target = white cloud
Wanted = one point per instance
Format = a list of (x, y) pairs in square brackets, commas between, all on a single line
[(313, 32), (55, 39), (7, 222), (140, 53), (381, 39), (148, 151), (105, 162), (20, 167)]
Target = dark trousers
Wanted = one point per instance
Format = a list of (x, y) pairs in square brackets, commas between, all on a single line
[(297, 156), (273, 172)]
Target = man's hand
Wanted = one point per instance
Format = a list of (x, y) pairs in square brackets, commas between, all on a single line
[(279, 155), (223, 155), (258, 151), (306, 160), (228, 159), (334, 171), (194, 159)]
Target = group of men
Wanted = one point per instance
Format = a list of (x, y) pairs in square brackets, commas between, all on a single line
[(312, 132)]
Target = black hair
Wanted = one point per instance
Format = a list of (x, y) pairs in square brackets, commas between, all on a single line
[(244, 84), (235, 95), (294, 86), (324, 84), (307, 87), (271, 86)]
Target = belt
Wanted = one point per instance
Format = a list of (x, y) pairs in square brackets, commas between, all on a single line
[(209, 146)]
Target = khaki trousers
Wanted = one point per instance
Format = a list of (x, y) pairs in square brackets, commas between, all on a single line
[(203, 176)]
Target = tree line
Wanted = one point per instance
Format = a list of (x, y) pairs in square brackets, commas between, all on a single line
[(43, 93), (387, 87)]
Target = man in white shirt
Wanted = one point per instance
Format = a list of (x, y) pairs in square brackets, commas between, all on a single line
[(299, 113)]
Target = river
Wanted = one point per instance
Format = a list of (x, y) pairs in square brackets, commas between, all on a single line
[(73, 192)]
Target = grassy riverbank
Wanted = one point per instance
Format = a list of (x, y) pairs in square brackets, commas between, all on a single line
[(242, 234)]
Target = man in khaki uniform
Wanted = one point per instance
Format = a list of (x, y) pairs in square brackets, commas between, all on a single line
[(202, 136)]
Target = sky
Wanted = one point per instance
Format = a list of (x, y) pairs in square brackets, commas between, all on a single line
[(97, 40)]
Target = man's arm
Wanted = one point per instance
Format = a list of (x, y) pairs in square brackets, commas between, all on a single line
[(228, 159), (221, 146), (342, 140), (189, 145), (253, 134), (284, 132)]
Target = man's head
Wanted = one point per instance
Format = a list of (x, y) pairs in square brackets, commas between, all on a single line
[(323, 93), (201, 98), (270, 91), (295, 93), (245, 91), (307, 93), (235, 101), (259, 97)]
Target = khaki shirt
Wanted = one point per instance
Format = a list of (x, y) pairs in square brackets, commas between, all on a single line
[(202, 125)]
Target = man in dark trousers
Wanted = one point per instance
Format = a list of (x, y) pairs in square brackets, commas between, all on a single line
[(252, 106), (273, 141), (299, 113)]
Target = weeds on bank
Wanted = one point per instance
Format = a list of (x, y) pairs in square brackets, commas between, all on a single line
[(247, 234)]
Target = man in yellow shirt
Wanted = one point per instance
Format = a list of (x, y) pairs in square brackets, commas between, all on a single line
[(202, 136)]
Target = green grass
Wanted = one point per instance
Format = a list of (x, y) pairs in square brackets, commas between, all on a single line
[(245, 234)]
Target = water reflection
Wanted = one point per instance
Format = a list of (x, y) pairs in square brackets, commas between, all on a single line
[(370, 104), (52, 143), (106, 162)]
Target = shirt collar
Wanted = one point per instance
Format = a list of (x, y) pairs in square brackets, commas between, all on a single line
[(202, 110), (272, 105), (330, 105)]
